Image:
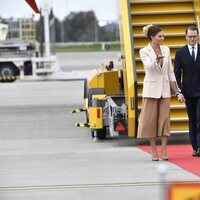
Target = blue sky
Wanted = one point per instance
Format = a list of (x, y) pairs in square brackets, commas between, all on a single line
[(105, 10)]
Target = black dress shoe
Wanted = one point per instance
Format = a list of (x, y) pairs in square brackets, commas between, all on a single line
[(196, 153)]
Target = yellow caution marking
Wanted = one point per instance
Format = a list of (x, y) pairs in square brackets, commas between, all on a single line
[(81, 125), (78, 110), (104, 185), (5, 78)]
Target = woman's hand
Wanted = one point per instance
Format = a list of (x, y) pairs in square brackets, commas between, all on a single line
[(158, 57)]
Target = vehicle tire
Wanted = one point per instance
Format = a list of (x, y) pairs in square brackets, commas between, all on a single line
[(87, 116), (92, 134), (28, 68), (101, 133), (8, 70)]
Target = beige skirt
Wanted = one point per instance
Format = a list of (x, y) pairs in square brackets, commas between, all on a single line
[(154, 120)]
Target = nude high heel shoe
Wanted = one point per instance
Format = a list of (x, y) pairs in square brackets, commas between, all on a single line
[(155, 158), (164, 155)]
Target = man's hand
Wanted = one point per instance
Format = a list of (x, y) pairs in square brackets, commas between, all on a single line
[(181, 98)]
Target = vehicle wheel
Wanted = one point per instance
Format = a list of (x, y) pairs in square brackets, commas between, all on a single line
[(92, 134), (27, 68), (101, 133), (87, 116), (7, 70)]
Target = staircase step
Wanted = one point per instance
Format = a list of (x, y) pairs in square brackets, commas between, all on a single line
[(173, 107), (158, 1), (179, 119), (179, 132), (168, 29), (164, 18), (166, 35), (192, 22), (162, 12)]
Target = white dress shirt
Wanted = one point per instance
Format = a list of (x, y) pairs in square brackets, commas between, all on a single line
[(195, 50)]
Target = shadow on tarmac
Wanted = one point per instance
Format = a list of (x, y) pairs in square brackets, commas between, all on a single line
[(125, 141)]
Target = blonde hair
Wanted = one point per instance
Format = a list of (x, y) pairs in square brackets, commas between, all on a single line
[(146, 29), (151, 30)]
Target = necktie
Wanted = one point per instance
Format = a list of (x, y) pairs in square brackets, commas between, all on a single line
[(193, 54)]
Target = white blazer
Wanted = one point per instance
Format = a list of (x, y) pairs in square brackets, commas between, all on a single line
[(157, 79)]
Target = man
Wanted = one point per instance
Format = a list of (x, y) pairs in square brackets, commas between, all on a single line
[(187, 72)]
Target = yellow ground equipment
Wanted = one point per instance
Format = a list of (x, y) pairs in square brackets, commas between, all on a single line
[(118, 111), (104, 104)]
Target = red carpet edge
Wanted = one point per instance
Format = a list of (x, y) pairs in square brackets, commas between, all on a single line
[(180, 155)]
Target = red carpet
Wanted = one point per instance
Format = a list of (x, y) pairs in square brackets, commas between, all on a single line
[(180, 155)]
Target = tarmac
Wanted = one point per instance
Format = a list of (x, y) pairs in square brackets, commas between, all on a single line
[(44, 157)]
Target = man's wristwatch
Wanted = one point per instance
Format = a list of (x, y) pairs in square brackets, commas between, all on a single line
[(178, 93)]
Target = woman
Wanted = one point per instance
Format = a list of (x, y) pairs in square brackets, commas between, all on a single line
[(155, 114)]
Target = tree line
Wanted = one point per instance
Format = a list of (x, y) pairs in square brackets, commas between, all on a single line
[(77, 27)]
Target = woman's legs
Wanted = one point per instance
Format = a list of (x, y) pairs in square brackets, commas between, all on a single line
[(153, 149), (164, 140), (164, 125)]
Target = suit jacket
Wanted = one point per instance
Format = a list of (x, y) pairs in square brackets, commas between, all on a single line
[(157, 78), (187, 72)]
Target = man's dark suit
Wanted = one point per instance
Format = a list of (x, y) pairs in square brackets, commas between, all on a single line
[(187, 72)]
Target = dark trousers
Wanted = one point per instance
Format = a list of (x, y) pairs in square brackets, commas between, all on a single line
[(193, 110)]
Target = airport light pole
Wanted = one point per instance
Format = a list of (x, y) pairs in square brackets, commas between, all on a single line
[(45, 11)]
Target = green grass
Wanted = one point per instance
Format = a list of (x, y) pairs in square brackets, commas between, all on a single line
[(87, 48)]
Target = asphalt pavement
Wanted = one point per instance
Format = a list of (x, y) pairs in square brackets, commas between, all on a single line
[(87, 60), (44, 157)]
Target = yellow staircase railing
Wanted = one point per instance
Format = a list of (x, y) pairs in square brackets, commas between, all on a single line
[(129, 72)]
